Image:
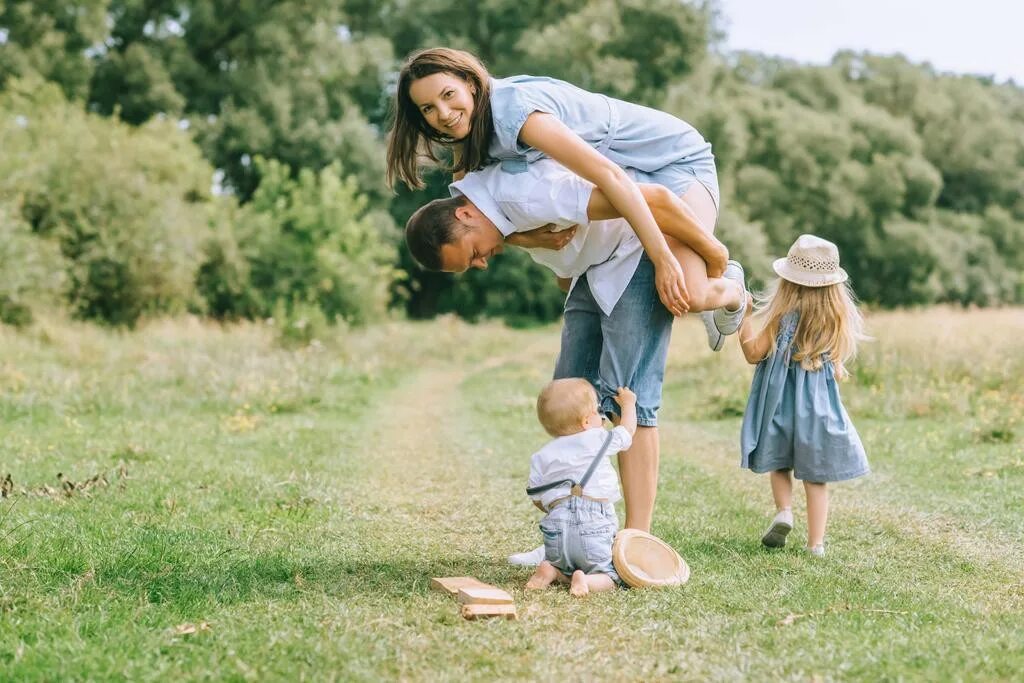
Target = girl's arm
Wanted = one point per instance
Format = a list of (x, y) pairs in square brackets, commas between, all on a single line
[(755, 346), (546, 133)]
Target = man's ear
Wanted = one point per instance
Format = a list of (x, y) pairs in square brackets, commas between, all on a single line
[(465, 213)]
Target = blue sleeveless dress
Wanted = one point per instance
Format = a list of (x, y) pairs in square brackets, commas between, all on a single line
[(654, 146), (796, 420)]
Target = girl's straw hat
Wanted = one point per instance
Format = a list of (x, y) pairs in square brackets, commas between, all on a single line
[(811, 262), (646, 561)]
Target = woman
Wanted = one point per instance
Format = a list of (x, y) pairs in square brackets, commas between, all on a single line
[(446, 98)]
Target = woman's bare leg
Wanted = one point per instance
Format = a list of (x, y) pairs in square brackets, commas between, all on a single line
[(706, 294)]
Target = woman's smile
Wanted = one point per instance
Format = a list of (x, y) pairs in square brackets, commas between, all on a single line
[(445, 102)]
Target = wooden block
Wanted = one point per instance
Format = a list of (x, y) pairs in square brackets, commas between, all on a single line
[(484, 596), (472, 612), (452, 584)]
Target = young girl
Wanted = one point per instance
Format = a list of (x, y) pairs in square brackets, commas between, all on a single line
[(801, 338), (446, 97)]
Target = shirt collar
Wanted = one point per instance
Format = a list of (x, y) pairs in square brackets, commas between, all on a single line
[(475, 188)]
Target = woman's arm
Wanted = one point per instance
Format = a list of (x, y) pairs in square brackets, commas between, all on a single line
[(546, 133), (674, 218)]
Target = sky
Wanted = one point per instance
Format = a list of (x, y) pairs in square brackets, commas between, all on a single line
[(978, 36)]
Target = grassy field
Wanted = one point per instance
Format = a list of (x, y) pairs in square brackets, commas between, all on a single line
[(195, 502)]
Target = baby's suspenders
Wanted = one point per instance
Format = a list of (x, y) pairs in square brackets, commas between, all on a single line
[(575, 488)]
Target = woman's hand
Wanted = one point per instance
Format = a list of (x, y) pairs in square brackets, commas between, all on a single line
[(671, 286), (544, 237), (717, 258)]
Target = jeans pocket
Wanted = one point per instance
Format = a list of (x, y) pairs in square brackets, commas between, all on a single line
[(597, 543), (552, 544)]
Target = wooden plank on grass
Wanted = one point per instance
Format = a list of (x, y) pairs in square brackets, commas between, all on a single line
[(472, 612), (452, 584), (473, 595)]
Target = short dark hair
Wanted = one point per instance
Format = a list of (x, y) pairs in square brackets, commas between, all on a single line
[(432, 226)]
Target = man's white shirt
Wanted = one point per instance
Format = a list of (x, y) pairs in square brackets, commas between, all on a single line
[(547, 192)]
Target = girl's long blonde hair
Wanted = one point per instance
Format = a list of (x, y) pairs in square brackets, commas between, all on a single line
[(830, 322)]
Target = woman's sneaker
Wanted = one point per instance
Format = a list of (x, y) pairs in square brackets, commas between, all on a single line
[(816, 551), (775, 537), (726, 321), (716, 340)]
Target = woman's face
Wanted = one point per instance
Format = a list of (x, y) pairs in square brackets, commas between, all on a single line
[(446, 103)]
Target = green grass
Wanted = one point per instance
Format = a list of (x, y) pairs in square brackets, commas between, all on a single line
[(276, 514)]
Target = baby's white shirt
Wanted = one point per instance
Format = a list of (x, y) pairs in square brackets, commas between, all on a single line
[(568, 457)]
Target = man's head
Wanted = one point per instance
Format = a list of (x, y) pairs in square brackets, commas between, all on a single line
[(452, 235), (568, 406)]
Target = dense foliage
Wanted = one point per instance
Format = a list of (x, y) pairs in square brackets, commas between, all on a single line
[(919, 176)]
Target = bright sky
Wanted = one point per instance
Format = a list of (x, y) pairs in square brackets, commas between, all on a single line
[(976, 36)]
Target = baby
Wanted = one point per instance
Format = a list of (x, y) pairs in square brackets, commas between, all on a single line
[(573, 481)]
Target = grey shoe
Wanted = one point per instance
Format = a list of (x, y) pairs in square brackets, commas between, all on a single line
[(530, 558), (716, 340), (816, 551), (727, 322), (775, 537)]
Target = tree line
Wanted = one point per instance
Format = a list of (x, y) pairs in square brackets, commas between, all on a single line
[(226, 156)]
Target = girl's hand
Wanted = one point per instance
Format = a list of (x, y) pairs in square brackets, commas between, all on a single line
[(544, 237), (668, 279)]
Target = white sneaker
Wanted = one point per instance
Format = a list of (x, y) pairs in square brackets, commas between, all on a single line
[(531, 558), (775, 537), (716, 340), (726, 321), (816, 551)]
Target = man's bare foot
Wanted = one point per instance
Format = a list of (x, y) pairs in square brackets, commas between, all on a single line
[(579, 587), (542, 578)]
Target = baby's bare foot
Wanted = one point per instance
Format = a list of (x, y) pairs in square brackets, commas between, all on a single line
[(542, 578), (579, 587)]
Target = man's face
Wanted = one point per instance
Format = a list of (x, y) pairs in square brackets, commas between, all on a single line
[(477, 241)]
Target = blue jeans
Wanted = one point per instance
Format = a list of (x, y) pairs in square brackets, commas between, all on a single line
[(625, 349), (578, 534)]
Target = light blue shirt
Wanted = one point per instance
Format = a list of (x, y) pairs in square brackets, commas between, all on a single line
[(631, 135)]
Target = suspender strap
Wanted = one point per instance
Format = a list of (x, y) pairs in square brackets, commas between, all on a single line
[(594, 464), (575, 488)]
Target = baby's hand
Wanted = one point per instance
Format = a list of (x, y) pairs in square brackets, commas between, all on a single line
[(625, 397)]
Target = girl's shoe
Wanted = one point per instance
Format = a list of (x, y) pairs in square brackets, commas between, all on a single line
[(816, 551), (775, 537)]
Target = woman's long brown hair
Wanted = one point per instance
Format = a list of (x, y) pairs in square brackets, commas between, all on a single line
[(411, 137)]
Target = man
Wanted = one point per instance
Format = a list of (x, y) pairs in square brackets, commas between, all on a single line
[(616, 331)]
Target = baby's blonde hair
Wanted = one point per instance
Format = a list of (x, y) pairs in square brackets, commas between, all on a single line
[(564, 404), (829, 322)]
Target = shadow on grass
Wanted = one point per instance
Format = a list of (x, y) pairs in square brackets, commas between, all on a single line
[(280, 577)]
